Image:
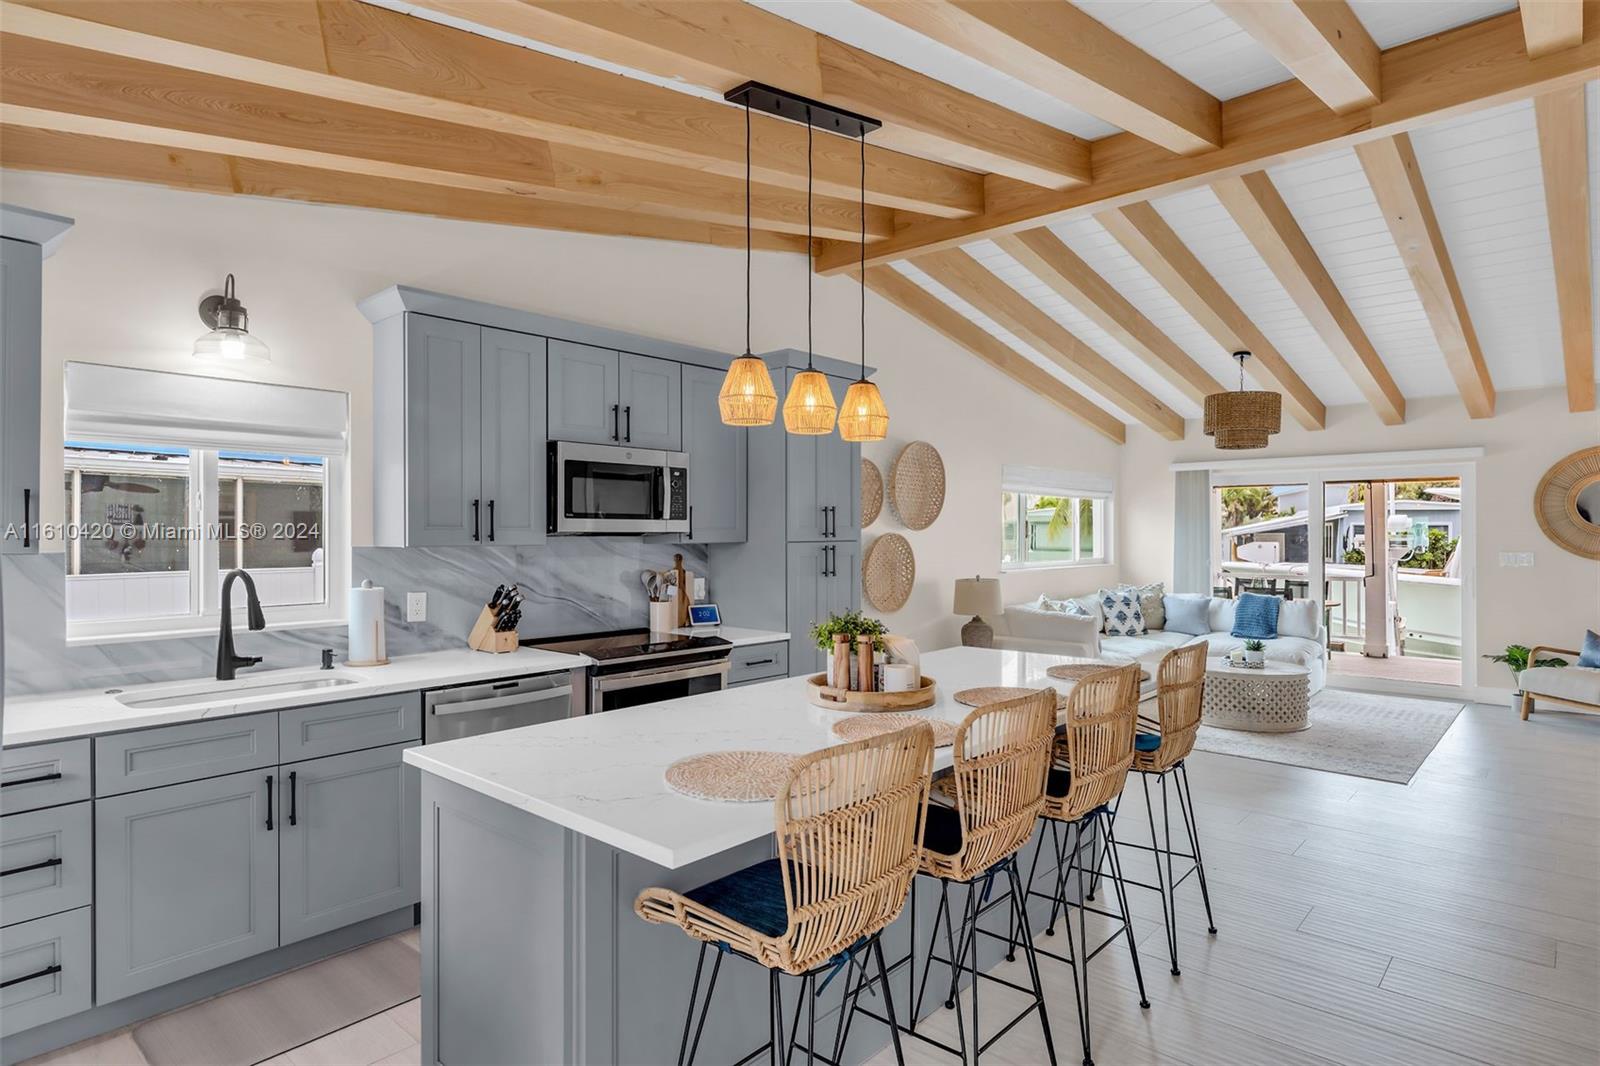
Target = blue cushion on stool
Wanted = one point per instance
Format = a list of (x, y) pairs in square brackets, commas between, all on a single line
[(752, 897), (943, 831), (1058, 784), (1147, 742)]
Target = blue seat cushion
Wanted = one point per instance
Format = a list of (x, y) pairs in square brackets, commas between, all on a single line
[(943, 831), (752, 897), (1256, 617), (1147, 742), (1058, 784), (1590, 656)]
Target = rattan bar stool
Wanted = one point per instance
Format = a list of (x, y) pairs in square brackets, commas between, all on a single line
[(849, 826), (1092, 757)]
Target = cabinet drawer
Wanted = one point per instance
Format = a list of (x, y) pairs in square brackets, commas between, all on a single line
[(128, 762), (43, 775), (758, 662), (349, 725), (48, 959), (45, 862)]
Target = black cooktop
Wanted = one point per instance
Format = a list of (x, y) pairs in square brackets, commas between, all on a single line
[(627, 644)]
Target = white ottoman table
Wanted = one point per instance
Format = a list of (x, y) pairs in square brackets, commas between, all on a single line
[(1274, 698)]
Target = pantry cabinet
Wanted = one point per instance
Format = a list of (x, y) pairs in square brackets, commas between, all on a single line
[(21, 275)]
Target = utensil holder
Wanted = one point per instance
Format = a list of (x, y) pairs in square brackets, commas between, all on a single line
[(663, 615)]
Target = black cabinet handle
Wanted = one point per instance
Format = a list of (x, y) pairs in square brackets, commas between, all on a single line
[(46, 972), (293, 804), (616, 422), (269, 803), (475, 535), (27, 526), (759, 662), (824, 511), (691, 521), (491, 520), (824, 554), (30, 780), (627, 429), (36, 866)]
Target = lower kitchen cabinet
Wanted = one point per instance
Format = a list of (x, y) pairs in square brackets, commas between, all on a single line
[(44, 970), (348, 841), (186, 879), (823, 580)]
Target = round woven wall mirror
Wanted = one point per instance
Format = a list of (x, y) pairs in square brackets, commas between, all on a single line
[(916, 485), (1567, 503), (871, 492), (888, 571)]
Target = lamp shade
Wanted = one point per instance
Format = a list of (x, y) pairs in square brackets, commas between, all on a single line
[(863, 415), (747, 397), (809, 408), (978, 596)]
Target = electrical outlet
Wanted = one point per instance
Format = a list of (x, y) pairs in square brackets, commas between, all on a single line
[(416, 607), (1516, 559)]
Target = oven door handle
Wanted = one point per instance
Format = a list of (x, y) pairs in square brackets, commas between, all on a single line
[(636, 678), (496, 702)]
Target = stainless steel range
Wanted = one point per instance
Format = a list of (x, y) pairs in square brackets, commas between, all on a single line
[(636, 666)]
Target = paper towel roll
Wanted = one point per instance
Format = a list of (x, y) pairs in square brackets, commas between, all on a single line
[(366, 626)]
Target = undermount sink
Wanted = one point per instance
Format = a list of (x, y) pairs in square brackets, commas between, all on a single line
[(221, 692)]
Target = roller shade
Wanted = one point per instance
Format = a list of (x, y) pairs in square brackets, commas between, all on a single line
[(117, 404), (1046, 481)]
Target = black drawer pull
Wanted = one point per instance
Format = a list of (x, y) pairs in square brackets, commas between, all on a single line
[(46, 972), (760, 662), (36, 866), (269, 803), (294, 803), (31, 780), (27, 522)]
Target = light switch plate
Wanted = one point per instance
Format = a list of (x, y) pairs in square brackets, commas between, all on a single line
[(1516, 559), (416, 607)]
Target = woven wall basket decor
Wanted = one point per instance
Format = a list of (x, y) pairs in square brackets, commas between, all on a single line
[(916, 485), (871, 492), (1567, 503), (888, 571)]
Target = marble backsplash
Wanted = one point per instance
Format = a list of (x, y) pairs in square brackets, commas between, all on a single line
[(570, 584)]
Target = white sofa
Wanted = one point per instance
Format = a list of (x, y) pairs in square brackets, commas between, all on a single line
[(1302, 639)]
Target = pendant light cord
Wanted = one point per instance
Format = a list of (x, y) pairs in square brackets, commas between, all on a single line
[(747, 239), (809, 242), (863, 253)]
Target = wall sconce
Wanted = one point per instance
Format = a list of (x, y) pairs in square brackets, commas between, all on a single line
[(229, 340)]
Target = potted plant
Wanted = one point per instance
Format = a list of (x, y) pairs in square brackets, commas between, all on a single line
[(1516, 657), (1255, 652), (838, 635)]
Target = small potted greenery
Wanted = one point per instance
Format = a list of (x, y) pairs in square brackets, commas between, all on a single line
[(1516, 657), (1255, 653), (838, 636)]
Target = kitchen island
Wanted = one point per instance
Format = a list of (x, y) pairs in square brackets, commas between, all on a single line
[(536, 841)]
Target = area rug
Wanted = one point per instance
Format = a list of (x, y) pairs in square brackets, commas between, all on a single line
[(1364, 734)]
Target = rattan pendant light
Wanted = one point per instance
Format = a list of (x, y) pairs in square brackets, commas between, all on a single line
[(747, 397), (863, 416), (809, 408), (1244, 419)]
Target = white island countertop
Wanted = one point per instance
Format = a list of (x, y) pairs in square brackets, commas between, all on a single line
[(734, 635), (86, 712), (603, 775)]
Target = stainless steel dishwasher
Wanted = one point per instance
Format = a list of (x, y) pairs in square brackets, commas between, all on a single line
[(489, 706)]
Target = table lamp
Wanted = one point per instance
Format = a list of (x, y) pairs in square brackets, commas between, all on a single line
[(977, 596)]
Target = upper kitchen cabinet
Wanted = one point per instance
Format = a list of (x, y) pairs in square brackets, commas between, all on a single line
[(603, 396), (824, 481), (513, 437), (718, 462)]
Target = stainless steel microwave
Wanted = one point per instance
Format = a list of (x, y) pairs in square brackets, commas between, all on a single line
[(604, 488)]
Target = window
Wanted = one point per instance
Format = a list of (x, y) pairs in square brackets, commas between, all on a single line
[(1041, 526), (163, 499)]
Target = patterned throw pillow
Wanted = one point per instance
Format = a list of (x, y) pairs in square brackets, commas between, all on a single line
[(1123, 616), (1256, 617), (1150, 604), (1073, 607)]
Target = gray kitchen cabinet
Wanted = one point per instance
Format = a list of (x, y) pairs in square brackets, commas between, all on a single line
[(823, 481), (823, 579), (718, 462), (585, 401), (21, 276), (443, 457), (349, 725), (348, 840), (44, 970), (651, 394), (46, 862), (44, 775), (186, 879), (512, 437), (753, 663)]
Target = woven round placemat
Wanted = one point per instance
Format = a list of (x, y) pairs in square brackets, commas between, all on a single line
[(862, 726), (982, 697), (731, 776), (888, 572), (871, 492), (916, 484), (1079, 671)]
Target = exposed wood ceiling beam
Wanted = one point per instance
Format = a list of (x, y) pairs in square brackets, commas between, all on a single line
[(974, 283), (1551, 25), (25, 148), (356, 53), (718, 44), (920, 304), (1062, 51), (1453, 73), (1255, 204), (1396, 180), (1145, 235), (1565, 157), (1052, 262), (1321, 42)]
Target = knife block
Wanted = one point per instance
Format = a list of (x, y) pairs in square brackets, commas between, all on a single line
[(484, 638)]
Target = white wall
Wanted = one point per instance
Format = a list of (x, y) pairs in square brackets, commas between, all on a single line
[(1552, 602), (124, 287)]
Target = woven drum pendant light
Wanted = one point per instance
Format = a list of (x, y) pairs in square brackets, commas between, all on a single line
[(1244, 419), (809, 407), (863, 416), (747, 397)]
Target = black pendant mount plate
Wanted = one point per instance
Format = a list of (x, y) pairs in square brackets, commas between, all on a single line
[(795, 108)]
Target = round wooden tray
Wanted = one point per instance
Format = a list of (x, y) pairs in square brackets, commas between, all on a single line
[(819, 692)]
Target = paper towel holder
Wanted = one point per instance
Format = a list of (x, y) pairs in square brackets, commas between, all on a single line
[(368, 620)]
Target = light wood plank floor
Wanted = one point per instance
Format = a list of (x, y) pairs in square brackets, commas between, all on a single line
[(1453, 920)]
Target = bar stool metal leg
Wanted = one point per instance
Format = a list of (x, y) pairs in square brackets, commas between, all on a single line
[(1191, 823), (1172, 883), (1167, 914), (1121, 890)]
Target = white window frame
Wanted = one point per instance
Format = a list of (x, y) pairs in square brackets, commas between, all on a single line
[(1025, 481)]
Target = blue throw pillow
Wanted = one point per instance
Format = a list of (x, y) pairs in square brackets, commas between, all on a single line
[(1591, 650), (1256, 617), (1187, 614)]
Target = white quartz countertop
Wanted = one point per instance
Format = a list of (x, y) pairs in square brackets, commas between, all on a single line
[(603, 775), (733, 634), (86, 712)]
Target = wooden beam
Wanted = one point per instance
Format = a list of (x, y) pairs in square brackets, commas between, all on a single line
[(1052, 262), (358, 53), (26, 148), (718, 44), (1256, 206), (1551, 25), (1062, 51), (1322, 43), (1454, 73), (1565, 156), (1145, 235), (974, 283), (1396, 180), (922, 305)]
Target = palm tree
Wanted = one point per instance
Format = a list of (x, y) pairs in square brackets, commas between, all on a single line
[(1061, 517), (1247, 503)]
